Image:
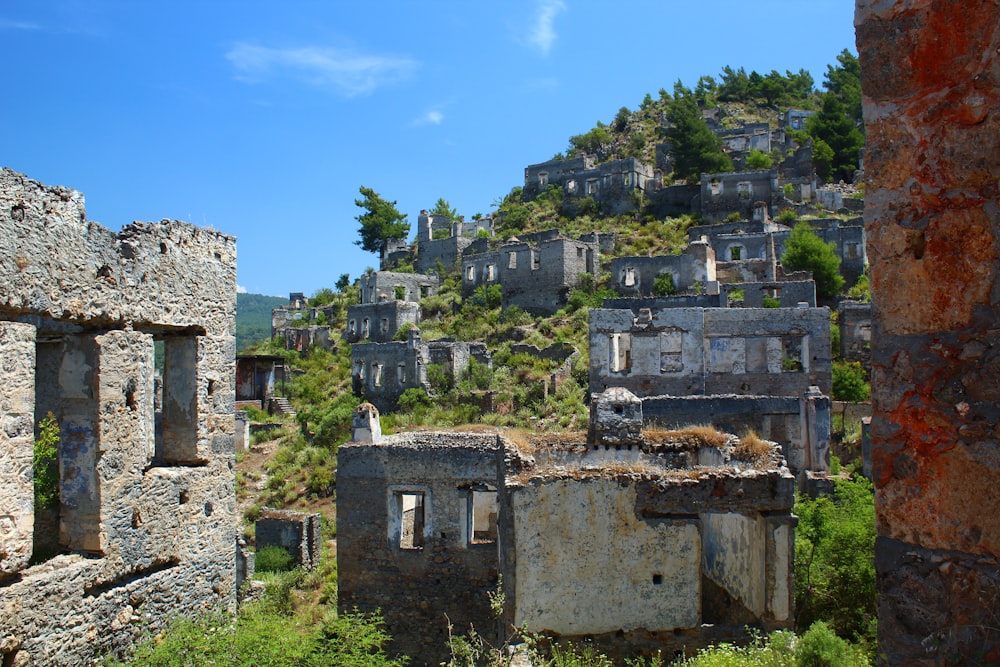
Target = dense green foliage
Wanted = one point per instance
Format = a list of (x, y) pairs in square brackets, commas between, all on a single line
[(45, 463), (273, 558), (850, 382), (694, 147), (381, 221), (835, 560), (805, 250), (268, 634), (253, 318), (834, 128)]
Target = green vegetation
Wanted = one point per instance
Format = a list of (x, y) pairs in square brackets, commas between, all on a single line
[(805, 250), (273, 558), (850, 382), (759, 160), (381, 222), (664, 285), (694, 147), (835, 561), (45, 463), (253, 318), (269, 633)]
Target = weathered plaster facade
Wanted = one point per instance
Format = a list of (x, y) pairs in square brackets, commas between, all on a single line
[(684, 351), (931, 95), (649, 560), (145, 527)]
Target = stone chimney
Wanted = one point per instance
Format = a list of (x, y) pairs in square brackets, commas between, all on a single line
[(365, 427)]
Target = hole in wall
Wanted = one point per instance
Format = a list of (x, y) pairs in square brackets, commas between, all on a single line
[(130, 400), (209, 509), (657, 579), (163, 248), (183, 497)]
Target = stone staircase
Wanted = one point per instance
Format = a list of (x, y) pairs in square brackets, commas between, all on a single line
[(279, 405)]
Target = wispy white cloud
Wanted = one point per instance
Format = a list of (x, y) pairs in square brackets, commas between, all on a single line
[(542, 33), (240, 289), (348, 72), (431, 117), (9, 24)]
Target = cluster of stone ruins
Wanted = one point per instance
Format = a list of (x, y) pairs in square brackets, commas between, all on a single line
[(644, 535)]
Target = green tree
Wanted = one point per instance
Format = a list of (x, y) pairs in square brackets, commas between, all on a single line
[(343, 282), (849, 382), (759, 160), (844, 81), (381, 222), (443, 208), (805, 250), (839, 131), (694, 147), (735, 85), (835, 560), (594, 142)]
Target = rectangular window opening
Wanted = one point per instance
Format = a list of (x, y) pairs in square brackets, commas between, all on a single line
[(620, 353), (483, 516), (512, 260), (176, 422), (411, 524)]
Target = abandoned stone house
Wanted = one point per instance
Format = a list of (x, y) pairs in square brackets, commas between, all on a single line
[(614, 185), (610, 540), (259, 377), (637, 276), (755, 239), (381, 372), (144, 526), (537, 277), (705, 351)]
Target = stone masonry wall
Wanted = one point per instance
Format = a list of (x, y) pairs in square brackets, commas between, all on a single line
[(145, 528), (449, 574), (931, 82), (682, 351)]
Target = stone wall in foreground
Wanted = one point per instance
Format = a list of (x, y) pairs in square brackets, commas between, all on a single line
[(931, 82), (144, 528)]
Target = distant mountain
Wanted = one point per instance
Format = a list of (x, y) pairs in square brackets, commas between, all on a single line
[(253, 317)]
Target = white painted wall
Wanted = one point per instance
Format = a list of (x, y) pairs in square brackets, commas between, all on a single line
[(585, 563)]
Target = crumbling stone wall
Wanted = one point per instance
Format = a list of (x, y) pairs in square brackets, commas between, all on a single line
[(540, 279), (299, 533), (636, 276), (145, 528), (379, 322), (610, 183), (737, 192), (418, 560), (381, 372), (681, 351), (379, 286), (855, 321), (931, 84)]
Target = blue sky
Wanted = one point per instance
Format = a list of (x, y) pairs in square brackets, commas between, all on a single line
[(262, 119)]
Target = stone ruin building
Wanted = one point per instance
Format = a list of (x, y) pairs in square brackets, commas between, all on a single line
[(536, 276), (381, 372), (635, 542), (144, 527), (614, 185), (930, 81), (764, 239)]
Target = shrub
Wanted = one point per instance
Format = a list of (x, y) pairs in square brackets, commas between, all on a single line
[(272, 558), (787, 216), (804, 249), (849, 382), (45, 463), (664, 285), (771, 302), (821, 647), (835, 560)]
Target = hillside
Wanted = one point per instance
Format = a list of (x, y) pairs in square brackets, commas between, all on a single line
[(253, 318)]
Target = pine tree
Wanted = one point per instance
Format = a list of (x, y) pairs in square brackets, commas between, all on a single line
[(694, 147)]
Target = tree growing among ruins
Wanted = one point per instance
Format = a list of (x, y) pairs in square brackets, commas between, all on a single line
[(381, 222), (694, 147), (805, 250)]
